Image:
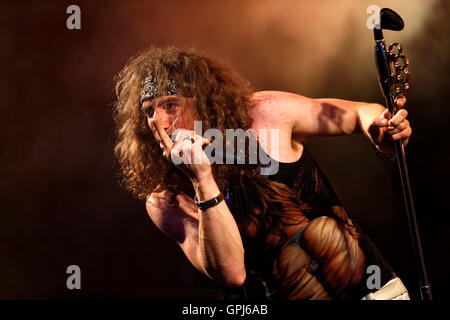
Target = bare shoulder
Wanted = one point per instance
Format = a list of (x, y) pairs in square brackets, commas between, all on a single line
[(166, 203), (274, 98), (278, 105), (163, 200), (176, 217)]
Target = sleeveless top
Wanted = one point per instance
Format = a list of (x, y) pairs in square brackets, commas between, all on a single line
[(301, 270)]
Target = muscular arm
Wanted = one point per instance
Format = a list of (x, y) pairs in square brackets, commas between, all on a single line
[(209, 239), (317, 117), (219, 238), (179, 222), (301, 116)]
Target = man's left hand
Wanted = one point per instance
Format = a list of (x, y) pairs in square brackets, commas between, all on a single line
[(385, 129)]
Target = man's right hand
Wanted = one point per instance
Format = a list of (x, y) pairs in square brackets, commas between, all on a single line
[(186, 152)]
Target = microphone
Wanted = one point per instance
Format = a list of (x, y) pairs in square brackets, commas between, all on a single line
[(227, 158), (263, 168)]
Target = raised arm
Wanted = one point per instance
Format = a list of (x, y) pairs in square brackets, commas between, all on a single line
[(332, 117), (178, 221), (210, 239)]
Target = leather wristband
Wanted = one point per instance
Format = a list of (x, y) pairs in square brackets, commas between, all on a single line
[(204, 205)]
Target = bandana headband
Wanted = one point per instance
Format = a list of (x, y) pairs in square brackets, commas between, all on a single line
[(150, 89)]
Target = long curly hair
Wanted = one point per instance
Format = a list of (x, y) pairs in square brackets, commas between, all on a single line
[(222, 99)]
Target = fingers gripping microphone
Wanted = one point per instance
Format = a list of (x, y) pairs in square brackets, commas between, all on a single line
[(228, 158)]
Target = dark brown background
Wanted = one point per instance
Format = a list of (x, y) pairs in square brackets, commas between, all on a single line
[(60, 203)]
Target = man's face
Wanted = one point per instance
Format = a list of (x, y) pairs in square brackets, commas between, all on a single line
[(172, 112)]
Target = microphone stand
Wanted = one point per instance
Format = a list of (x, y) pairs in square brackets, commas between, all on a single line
[(391, 83)]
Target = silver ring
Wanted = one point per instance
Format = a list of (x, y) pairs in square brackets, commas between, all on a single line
[(189, 138)]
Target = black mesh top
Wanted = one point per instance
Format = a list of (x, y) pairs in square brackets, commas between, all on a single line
[(310, 185)]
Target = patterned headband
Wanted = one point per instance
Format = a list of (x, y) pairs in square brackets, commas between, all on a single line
[(150, 89)]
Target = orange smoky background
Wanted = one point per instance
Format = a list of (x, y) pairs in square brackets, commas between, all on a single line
[(60, 202)]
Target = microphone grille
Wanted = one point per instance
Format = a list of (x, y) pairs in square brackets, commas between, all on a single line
[(390, 20)]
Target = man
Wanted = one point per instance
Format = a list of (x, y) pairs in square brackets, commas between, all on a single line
[(287, 229)]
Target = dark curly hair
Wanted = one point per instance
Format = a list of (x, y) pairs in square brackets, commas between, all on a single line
[(222, 99)]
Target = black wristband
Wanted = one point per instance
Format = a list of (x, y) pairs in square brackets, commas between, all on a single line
[(203, 205)]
